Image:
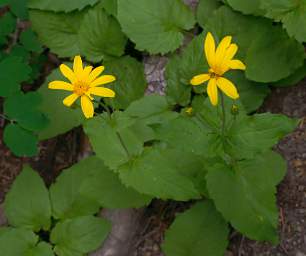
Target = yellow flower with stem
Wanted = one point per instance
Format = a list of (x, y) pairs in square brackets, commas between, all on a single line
[(220, 61), (83, 82)]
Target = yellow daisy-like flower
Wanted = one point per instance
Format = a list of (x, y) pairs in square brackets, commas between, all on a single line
[(220, 60), (83, 83)]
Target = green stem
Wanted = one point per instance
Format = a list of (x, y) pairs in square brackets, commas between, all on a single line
[(123, 144)]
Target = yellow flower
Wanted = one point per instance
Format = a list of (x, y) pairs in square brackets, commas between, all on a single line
[(83, 83), (220, 60)]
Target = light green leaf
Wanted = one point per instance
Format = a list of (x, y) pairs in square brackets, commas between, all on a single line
[(152, 173), (27, 204), (42, 249), (205, 10), (245, 194), (17, 242), (104, 186), (200, 230), (61, 118), (246, 6), (291, 13), (155, 26), (254, 36), (130, 84), (20, 141), (79, 236), (59, 5), (110, 6), (65, 194)]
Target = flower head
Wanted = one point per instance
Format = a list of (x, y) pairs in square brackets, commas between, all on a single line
[(220, 61), (83, 82)]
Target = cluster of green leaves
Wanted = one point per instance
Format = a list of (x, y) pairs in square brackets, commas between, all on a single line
[(20, 61)]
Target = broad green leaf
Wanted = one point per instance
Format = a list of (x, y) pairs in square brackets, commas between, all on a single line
[(181, 68), (79, 236), (61, 118), (152, 173), (200, 230), (59, 5), (110, 6), (13, 71), (30, 42), (291, 13), (246, 6), (245, 194), (155, 26), (254, 36), (93, 34), (20, 141), (205, 10), (23, 108), (27, 204), (130, 84), (19, 8), (65, 194), (100, 36), (7, 24), (114, 140), (254, 134), (17, 242), (42, 249), (104, 186)]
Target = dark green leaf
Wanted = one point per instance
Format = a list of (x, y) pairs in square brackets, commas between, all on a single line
[(7, 25), (30, 42)]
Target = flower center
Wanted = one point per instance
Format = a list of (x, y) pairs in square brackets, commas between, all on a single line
[(80, 87), (212, 73)]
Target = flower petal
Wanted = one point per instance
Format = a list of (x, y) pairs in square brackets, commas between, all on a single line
[(200, 79), (68, 73), (87, 106), (60, 85), (95, 73), (68, 101), (237, 64), (212, 91), (229, 54), (221, 50), (102, 92), (86, 72), (103, 80), (210, 48), (77, 65), (227, 87)]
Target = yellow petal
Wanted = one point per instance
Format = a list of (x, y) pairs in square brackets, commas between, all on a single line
[(227, 87), (68, 73), (237, 64), (221, 50), (229, 54), (212, 91), (87, 106), (60, 85), (77, 65), (210, 49), (102, 92), (95, 73), (103, 80), (68, 101), (199, 79), (86, 73)]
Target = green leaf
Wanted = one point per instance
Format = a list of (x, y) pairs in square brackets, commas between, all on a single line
[(30, 42), (155, 26), (246, 6), (13, 71), (245, 194), (17, 242), (254, 134), (91, 33), (7, 24), (100, 36), (114, 140), (19, 8), (22, 108), (205, 10), (20, 141), (152, 173), (130, 84), (42, 249), (79, 236), (27, 204), (65, 194), (254, 36), (110, 6), (200, 230), (104, 186), (181, 68), (292, 13), (61, 118), (59, 5)]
